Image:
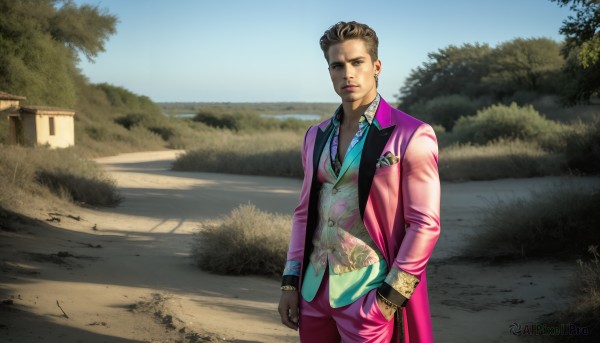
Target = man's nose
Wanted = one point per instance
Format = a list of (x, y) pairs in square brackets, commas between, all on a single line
[(348, 73)]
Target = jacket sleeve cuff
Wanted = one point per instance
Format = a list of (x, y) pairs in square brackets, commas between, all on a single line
[(290, 280), (291, 274), (292, 268), (398, 286)]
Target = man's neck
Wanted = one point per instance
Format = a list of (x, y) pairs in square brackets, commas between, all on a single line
[(354, 110)]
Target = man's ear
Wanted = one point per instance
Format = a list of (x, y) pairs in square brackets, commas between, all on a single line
[(377, 66)]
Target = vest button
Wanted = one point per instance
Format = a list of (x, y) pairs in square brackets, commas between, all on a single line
[(331, 222)]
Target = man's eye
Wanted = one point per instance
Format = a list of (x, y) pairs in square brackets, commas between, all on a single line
[(358, 63)]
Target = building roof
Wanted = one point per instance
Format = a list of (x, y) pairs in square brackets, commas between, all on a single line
[(46, 110), (8, 96), (10, 111)]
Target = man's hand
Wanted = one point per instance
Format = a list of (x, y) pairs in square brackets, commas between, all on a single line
[(388, 311), (288, 309)]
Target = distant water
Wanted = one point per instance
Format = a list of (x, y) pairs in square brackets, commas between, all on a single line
[(185, 115), (276, 116), (293, 116)]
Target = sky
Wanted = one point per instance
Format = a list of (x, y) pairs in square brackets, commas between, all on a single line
[(268, 51)]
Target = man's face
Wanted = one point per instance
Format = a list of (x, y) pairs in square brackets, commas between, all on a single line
[(353, 72)]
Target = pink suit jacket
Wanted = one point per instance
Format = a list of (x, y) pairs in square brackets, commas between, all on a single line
[(399, 204)]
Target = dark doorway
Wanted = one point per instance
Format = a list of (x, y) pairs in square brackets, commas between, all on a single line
[(15, 130)]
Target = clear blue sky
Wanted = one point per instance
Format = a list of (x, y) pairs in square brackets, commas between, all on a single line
[(267, 50)]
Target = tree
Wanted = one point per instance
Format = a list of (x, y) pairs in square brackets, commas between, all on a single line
[(449, 71), (85, 28), (524, 65), (581, 50), (39, 45), (445, 110), (517, 69)]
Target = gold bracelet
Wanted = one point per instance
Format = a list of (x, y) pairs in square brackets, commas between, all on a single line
[(289, 288), (387, 302)]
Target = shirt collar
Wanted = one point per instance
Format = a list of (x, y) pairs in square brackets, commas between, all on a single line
[(368, 116)]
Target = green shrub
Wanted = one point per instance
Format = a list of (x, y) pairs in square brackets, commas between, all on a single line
[(111, 120), (97, 133), (445, 110), (165, 132), (248, 241), (130, 120), (123, 100), (504, 122), (217, 121), (524, 97), (555, 223), (497, 160), (156, 124)]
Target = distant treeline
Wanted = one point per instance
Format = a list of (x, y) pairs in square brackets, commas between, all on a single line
[(249, 122), (460, 80), (232, 108)]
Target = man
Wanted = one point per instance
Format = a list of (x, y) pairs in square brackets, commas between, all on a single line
[(368, 215)]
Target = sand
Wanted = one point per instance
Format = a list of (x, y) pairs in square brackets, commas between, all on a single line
[(124, 274)]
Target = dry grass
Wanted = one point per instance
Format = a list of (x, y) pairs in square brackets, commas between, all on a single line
[(584, 311), (96, 140), (278, 153), (497, 160), (248, 241), (573, 149), (232, 108), (582, 147), (41, 172), (272, 153), (556, 223)]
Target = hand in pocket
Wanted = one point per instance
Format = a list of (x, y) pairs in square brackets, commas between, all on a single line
[(386, 310)]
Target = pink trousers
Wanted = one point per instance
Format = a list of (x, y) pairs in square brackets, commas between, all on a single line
[(360, 322)]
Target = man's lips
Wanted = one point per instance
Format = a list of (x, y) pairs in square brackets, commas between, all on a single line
[(350, 87)]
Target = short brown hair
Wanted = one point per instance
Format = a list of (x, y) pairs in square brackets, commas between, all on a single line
[(344, 31)]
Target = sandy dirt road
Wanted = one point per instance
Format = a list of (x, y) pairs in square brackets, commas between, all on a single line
[(124, 274)]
